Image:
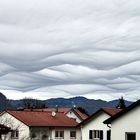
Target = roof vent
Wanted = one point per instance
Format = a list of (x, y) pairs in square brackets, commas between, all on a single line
[(53, 114), (20, 109)]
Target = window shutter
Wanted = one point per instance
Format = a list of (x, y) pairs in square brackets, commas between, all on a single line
[(90, 134), (109, 135), (101, 134)]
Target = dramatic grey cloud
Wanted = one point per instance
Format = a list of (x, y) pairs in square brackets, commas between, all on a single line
[(63, 48)]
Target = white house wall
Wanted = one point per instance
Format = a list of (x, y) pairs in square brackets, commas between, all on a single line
[(95, 124), (130, 122), (71, 114), (66, 133), (25, 132), (50, 132), (13, 123)]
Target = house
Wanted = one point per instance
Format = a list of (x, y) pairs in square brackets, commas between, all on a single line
[(93, 127), (126, 124), (76, 114), (43, 124), (70, 112)]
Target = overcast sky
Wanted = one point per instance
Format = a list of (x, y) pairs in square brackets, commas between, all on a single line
[(66, 48)]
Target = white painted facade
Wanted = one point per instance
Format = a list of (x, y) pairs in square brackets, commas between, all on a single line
[(129, 122), (67, 133), (37, 133), (14, 124), (27, 133), (96, 123), (71, 114), (50, 133)]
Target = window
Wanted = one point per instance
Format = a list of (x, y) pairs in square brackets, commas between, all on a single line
[(109, 135), (44, 137), (130, 136), (33, 135), (73, 134), (59, 134), (14, 134), (96, 134)]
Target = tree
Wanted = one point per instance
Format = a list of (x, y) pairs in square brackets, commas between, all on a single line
[(3, 101), (32, 103), (16, 128), (121, 104), (83, 110)]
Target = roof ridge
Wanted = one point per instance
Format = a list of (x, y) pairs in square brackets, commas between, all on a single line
[(130, 107)]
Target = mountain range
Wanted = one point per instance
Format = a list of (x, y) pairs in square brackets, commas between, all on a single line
[(90, 105)]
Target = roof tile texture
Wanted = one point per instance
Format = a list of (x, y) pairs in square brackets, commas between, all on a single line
[(38, 118)]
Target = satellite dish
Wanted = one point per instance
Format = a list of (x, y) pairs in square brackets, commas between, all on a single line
[(53, 114)]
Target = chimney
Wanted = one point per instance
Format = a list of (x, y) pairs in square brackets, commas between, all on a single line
[(56, 108)]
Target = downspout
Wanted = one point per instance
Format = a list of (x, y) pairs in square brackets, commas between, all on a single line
[(30, 131), (81, 131)]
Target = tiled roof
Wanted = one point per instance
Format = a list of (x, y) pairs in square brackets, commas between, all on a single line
[(38, 118), (121, 113), (109, 111), (82, 115), (50, 109), (64, 110)]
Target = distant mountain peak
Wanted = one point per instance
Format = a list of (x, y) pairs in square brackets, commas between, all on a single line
[(90, 105)]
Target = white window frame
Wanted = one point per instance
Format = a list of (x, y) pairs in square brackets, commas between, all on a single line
[(96, 134), (59, 134), (14, 134), (75, 134)]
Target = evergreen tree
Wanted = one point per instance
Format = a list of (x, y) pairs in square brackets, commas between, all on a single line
[(83, 110), (121, 104)]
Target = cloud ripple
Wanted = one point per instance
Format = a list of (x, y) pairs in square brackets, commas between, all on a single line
[(70, 48)]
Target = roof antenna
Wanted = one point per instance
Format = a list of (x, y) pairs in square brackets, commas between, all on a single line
[(56, 108), (74, 105)]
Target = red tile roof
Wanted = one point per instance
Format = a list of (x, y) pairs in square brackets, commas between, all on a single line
[(50, 109), (109, 111), (38, 118), (123, 112), (81, 115)]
